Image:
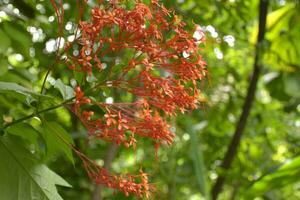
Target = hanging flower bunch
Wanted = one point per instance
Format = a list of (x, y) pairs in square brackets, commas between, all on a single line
[(128, 184), (145, 51)]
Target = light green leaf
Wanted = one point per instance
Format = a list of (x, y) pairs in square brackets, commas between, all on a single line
[(275, 21), (23, 178), (57, 140), (8, 86), (13, 87), (284, 175), (91, 78), (279, 18), (291, 84), (66, 91)]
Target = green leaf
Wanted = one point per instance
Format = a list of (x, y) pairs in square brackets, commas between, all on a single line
[(13, 87), (275, 22), (286, 174), (91, 78), (25, 131), (23, 178), (118, 68), (276, 88), (3, 64), (21, 39), (198, 161), (66, 91), (79, 76), (8, 86), (57, 140), (278, 18), (4, 42), (291, 84)]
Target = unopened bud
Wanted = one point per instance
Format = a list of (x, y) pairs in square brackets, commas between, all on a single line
[(87, 100), (77, 89)]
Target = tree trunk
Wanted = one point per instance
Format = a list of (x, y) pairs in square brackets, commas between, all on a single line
[(235, 141)]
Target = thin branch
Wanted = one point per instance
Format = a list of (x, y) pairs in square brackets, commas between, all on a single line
[(235, 141), (35, 114)]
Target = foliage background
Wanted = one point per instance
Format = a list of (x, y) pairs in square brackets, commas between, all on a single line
[(267, 163)]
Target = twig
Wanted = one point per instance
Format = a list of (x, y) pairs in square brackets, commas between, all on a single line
[(35, 114)]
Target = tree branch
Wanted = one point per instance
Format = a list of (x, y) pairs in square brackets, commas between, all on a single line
[(235, 141)]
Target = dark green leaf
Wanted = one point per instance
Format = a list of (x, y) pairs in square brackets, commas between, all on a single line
[(24, 131), (21, 39), (23, 178), (57, 140)]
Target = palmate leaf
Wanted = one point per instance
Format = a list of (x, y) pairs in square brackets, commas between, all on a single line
[(22, 177), (57, 140), (25, 131)]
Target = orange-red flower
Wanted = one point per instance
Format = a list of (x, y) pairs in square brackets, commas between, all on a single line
[(163, 72), (137, 185)]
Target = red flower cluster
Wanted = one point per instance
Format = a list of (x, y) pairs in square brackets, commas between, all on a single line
[(123, 121), (128, 184), (163, 73)]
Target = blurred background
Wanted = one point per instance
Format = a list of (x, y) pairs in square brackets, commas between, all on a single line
[(267, 161)]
